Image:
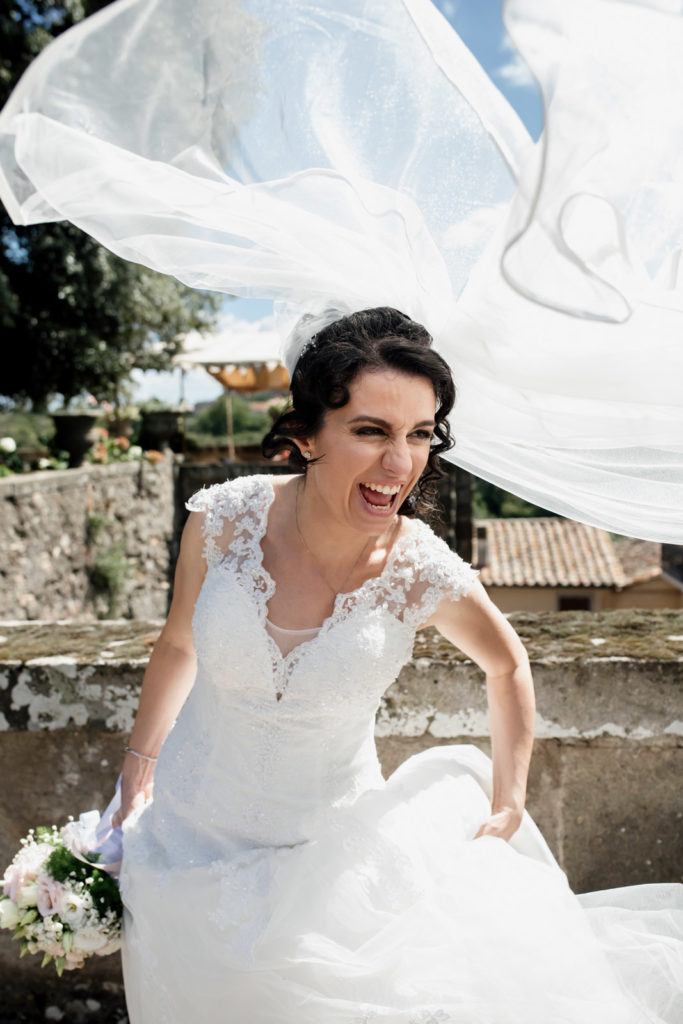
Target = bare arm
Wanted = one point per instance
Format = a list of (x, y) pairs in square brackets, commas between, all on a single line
[(482, 632), (169, 676)]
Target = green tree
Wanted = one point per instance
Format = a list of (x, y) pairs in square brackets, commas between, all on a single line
[(212, 420), (74, 317), (491, 502)]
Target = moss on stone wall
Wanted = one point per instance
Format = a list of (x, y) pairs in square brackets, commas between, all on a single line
[(629, 633)]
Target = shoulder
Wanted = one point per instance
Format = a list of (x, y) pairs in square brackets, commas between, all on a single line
[(433, 573), (436, 563), (230, 499), (222, 512)]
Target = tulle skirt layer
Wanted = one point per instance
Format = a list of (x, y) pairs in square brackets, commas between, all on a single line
[(395, 913)]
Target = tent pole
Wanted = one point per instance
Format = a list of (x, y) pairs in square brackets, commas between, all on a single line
[(229, 423)]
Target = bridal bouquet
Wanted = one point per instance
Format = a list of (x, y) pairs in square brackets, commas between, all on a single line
[(60, 897)]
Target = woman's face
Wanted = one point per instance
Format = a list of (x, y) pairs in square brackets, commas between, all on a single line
[(373, 449)]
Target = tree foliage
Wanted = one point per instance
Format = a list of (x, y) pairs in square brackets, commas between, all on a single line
[(212, 419), (74, 317), (491, 502)]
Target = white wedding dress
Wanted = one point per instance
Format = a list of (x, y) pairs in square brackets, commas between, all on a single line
[(277, 878)]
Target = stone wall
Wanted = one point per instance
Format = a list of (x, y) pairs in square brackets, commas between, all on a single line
[(604, 785), (605, 779), (87, 543)]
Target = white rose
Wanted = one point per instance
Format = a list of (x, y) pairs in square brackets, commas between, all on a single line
[(27, 895), (32, 857), (87, 940), (8, 444), (74, 909), (79, 836), (9, 915)]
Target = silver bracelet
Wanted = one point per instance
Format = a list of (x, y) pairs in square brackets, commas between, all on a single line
[(143, 757)]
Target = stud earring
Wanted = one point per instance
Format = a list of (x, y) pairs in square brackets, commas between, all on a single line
[(307, 455)]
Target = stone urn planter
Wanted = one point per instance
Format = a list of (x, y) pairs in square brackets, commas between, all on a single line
[(120, 426), (161, 429), (74, 434)]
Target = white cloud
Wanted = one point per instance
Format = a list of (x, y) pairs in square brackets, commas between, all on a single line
[(515, 71), (449, 8), (167, 387)]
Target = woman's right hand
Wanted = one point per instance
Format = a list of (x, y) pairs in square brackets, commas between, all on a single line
[(137, 783)]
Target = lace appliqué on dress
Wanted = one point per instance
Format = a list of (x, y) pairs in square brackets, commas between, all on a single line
[(242, 910), (387, 875), (244, 502)]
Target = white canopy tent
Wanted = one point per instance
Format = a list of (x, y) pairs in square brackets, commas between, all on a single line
[(241, 355)]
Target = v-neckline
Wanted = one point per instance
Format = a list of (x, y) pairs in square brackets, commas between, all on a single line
[(282, 662)]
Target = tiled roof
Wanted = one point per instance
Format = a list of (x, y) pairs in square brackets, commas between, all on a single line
[(546, 551), (641, 560)]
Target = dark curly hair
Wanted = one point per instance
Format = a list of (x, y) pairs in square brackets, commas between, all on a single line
[(370, 340)]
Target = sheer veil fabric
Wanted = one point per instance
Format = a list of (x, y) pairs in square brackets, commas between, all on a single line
[(355, 154)]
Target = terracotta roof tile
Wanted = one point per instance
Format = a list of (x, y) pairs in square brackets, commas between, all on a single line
[(641, 559), (547, 551)]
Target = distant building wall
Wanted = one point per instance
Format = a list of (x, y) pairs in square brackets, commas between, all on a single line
[(657, 593)]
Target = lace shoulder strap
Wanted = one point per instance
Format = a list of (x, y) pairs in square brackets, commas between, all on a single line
[(235, 513), (436, 572)]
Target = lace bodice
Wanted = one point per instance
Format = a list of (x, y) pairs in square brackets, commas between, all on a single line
[(268, 742), (420, 570)]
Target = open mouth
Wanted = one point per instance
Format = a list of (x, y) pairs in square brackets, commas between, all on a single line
[(379, 501)]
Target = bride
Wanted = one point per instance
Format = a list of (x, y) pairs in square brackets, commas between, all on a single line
[(312, 149), (269, 871)]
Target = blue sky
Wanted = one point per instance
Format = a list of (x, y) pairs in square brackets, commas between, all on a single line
[(479, 24)]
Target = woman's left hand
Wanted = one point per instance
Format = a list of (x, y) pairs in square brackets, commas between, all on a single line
[(502, 825)]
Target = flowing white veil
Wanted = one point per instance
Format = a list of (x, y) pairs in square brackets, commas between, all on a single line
[(355, 154)]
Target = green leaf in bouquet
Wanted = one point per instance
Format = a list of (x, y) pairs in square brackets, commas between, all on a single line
[(105, 893), (59, 964), (29, 916), (61, 864), (19, 932), (46, 959), (67, 940), (24, 948)]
